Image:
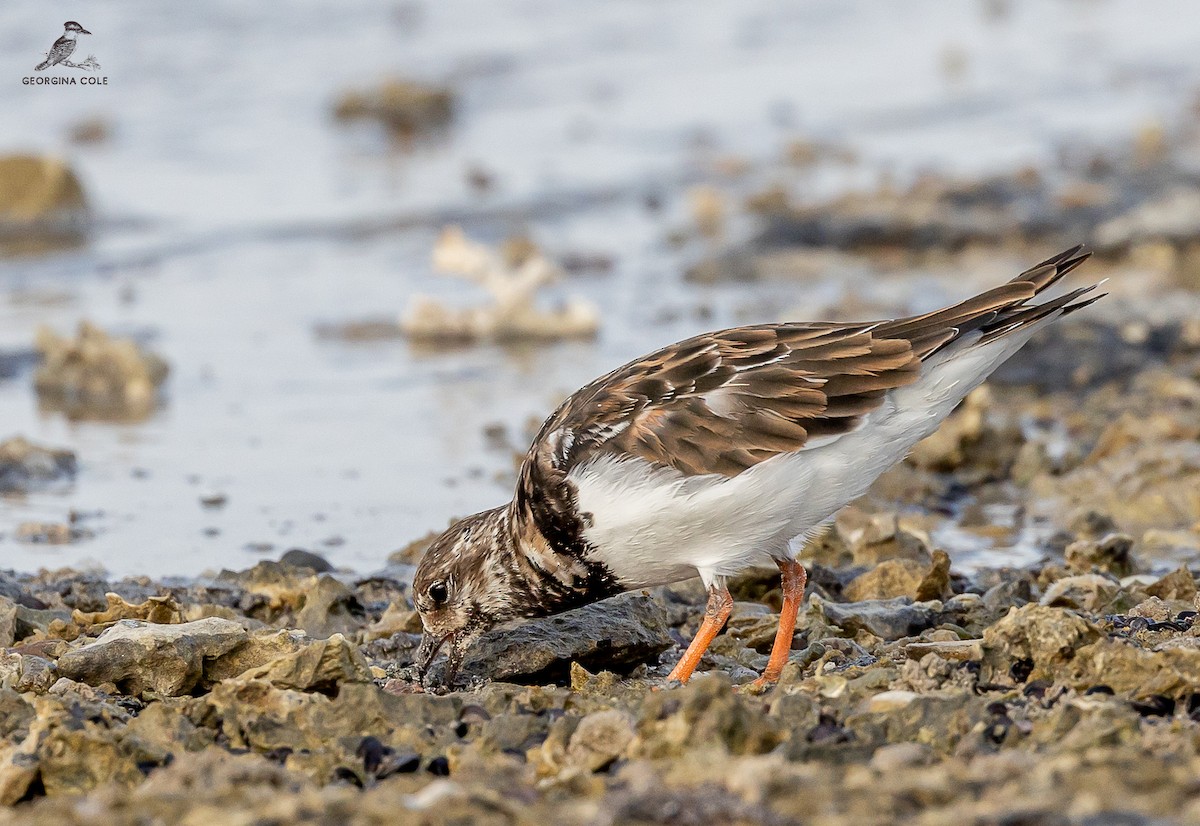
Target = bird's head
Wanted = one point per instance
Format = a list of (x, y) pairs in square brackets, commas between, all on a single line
[(462, 587), (72, 26)]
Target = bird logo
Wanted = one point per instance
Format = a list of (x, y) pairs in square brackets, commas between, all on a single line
[(64, 47)]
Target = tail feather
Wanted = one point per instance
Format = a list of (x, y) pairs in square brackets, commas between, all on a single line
[(1024, 317), (996, 312), (977, 307), (1048, 272)]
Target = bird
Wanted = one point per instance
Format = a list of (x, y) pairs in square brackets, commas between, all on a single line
[(64, 47), (715, 454)]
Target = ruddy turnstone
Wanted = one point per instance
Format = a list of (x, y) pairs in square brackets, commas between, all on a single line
[(712, 455)]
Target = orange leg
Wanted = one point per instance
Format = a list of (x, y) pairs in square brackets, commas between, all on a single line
[(794, 579), (720, 604)]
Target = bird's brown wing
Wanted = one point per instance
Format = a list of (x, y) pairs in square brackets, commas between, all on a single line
[(722, 402)]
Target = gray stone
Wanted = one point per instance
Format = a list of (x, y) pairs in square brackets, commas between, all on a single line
[(29, 620), (955, 650), (137, 656), (26, 672), (37, 674), (613, 635), (300, 558), (26, 467), (8, 622), (889, 619)]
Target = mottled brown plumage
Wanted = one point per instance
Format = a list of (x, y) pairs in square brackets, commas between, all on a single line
[(723, 402)]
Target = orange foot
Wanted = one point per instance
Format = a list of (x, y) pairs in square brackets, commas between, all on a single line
[(794, 580), (720, 603)]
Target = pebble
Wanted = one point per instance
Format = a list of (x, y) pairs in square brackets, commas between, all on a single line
[(956, 650), (890, 701)]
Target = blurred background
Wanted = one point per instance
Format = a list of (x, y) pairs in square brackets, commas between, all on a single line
[(288, 344)]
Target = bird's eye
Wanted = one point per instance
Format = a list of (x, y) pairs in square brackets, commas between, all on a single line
[(438, 593)]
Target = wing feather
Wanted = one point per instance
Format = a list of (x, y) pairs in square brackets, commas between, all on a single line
[(723, 402)]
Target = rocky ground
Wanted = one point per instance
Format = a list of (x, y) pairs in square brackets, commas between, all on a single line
[(1064, 691)]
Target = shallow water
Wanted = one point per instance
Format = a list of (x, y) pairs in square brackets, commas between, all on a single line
[(235, 216)]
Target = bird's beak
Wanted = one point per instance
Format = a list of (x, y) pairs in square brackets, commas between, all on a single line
[(454, 657), (430, 645), (84, 31), (427, 650)]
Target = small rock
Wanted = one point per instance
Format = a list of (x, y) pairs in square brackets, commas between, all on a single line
[(1007, 594), (318, 604), (706, 713), (136, 656), (962, 603), (36, 674), (96, 376), (1112, 554), (48, 533), (890, 578), (28, 468), (33, 620), (395, 619), (300, 558), (513, 314), (158, 610), (261, 647), (599, 739), (954, 650), (888, 619), (903, 578), (19, 766), (404, 106), (1039, 635), (330, 607), (614, 634), (15, 362), (8, 622), (1126, 668), (35, 189), (708, 209), (1179, 584), (91, 130), (936, 582), (887, 701), (411, 553), (1153, 609), (213, 501), (1091, 592), (321, 666)]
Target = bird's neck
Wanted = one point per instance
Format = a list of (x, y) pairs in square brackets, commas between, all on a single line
[(70, 35), (546, 578)]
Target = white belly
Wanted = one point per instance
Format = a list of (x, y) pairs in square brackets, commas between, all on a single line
[(653, 525)]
